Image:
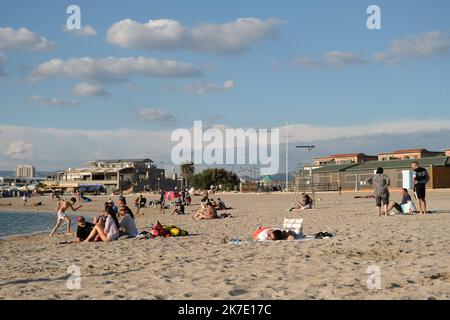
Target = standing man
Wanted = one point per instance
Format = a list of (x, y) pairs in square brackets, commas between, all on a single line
[(162, 203), (380, 183), (421, 178)]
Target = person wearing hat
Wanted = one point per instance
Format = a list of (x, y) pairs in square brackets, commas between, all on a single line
[(84, 229)]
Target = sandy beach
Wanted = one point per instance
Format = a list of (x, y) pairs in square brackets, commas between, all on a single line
[(411, 252)]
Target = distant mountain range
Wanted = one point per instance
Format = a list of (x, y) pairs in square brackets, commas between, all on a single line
[(12, 173)]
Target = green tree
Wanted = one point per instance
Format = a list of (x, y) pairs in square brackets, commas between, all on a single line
[(215, 177)]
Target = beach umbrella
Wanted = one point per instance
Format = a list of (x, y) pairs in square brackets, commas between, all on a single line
[(172, 195)]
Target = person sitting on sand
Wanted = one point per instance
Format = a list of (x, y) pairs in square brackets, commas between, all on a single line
[(63, 206), (37, 204), (122, 201), (179, 210), (221, 205), (109, 232), (273, 234), (406, 198), (84, 229), (127, 210), (127, 224), (306, 202), (380, 183), (207, 213)]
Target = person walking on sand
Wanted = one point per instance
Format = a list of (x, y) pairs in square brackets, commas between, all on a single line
[(380, 183), (63, 206), (421, 178), (25, 200)]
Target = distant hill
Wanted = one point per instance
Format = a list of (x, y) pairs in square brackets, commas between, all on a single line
[(12, 173)]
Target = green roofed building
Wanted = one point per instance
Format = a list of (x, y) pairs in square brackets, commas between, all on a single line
[(352, 177)]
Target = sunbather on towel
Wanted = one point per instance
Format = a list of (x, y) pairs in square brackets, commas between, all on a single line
[(272, 234)]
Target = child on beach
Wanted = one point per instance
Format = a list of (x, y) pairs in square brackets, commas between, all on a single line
[(63, 206)]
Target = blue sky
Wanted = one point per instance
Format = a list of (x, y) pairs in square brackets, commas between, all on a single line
[(308, 62)]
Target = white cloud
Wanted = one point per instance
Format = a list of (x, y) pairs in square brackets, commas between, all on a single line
[(89, 90), (203, 88), (418, 46), (86, 31), (421, 45), (113, 69), (19, 150), (228, 38), (90, 144), (336, 59), (23, 39), (156, 115), (54, 101)]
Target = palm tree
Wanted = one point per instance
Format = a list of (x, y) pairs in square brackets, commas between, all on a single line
[(187, 170)]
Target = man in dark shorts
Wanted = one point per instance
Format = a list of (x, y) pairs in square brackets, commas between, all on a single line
[(421, 178), (380, 183), (84, 229)]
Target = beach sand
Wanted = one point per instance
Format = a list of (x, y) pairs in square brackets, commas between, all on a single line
[(411, 252)]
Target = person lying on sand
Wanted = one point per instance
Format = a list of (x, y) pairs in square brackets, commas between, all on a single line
[(5, 204), (272, 234), (63, 206), (303, 204), (109, 232)]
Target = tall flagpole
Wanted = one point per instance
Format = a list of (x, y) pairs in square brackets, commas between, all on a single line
[(287, 155)]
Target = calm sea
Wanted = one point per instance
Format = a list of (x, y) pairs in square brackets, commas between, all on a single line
[(25, 223)]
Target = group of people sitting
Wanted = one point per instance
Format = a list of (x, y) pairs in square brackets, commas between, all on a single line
[(111, 225), (208, 209)]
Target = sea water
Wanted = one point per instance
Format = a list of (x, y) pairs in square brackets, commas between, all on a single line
[(26, 223)]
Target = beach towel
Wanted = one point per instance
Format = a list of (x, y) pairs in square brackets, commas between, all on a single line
[(294, 225)]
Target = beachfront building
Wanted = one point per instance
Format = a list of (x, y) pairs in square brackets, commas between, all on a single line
[(351, 177), (408, 154), (348, 158), (131, 175), (25, 171)]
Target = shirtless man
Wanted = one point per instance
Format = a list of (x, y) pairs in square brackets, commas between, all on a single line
[(64, 205)]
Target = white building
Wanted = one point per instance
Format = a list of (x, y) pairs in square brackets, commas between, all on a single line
[(25, 171)]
